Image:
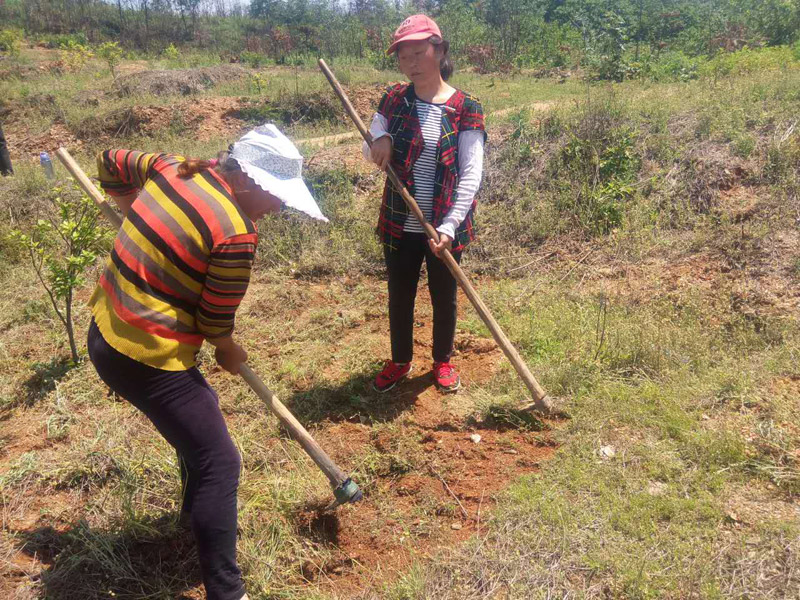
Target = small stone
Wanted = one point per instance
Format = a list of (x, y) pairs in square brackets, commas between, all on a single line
[(656, 488), (607, 452), (456, 526), (510, 451), (476, 439), (732, 517)]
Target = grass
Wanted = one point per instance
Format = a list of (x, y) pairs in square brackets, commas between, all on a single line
[(671, 336), (654, 519)]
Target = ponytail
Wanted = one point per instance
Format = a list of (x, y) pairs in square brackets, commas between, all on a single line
[(192, 166), (446, 67)]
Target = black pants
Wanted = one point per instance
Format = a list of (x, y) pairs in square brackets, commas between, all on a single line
[(5, 159), (184, 408), (403, 265)]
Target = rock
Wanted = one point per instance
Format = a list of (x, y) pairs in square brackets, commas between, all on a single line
[(657, 488), (607, 452), (476, 439), (456, 526)]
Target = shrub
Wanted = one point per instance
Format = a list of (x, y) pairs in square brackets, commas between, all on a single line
[(112, 54), (59, 40), (747, 60), (171, 52), (75, 55), (10, 41), (255, 60), (487, 59), (601, 161), (61, 248), (671, 66)]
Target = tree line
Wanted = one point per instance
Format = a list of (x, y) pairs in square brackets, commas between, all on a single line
[(608, 36)]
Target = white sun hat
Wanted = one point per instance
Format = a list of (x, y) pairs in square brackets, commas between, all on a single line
[(271, 160)]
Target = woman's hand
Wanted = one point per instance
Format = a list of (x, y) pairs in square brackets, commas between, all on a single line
[(381, 151), (445, 243), (229, 354)]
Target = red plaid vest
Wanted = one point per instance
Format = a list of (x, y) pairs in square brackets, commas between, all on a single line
[(461, 113)]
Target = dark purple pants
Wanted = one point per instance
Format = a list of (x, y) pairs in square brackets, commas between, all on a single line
[(5, 159), (185, 410), (403, 266)]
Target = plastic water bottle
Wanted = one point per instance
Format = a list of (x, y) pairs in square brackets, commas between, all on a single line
[(47, 165)]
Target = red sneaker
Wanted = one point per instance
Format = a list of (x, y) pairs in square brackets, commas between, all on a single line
[(391, 374), (447, 379)]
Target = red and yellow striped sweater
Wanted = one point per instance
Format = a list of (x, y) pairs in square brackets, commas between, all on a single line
[(180, 264)]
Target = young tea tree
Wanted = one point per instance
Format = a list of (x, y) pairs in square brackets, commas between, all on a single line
[(61, 247), (112, 54)]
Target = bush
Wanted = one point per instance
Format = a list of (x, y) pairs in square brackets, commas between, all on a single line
[(255, 60), (725, 64), (601, 161), (59, 40), (487, 59), (112, 54), (75, 55), (10, 41), (671, 66), (171, 52)]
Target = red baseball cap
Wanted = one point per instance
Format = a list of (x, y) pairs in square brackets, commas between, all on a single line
[(414, 28)]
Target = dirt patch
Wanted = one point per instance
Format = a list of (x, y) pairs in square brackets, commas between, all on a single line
[(365, 99), (347, 156), (27, 145), (445, 499), (535, 106), (178, 82), (203, 118)]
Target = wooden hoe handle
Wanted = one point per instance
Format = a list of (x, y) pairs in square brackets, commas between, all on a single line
[(88, 187)]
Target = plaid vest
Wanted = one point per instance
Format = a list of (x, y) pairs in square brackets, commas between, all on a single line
[(461, 112)]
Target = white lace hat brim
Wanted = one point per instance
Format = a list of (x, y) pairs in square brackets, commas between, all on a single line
[(292, 192)]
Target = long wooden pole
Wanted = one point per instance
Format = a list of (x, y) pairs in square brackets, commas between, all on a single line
[(88, 187), (336, 476), (345, 489), (541, 401)]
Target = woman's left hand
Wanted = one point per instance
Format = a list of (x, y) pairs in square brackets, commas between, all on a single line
[(445, 243)]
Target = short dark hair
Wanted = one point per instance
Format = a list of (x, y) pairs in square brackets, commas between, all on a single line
[(446, 67)]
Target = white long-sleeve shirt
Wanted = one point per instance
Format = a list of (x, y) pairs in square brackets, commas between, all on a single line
[(470, 171)]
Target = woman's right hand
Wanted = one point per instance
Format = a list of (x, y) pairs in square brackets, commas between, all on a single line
[(381, 151), (230, 356)]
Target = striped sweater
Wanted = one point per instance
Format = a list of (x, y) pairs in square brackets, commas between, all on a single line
[(180, 263)]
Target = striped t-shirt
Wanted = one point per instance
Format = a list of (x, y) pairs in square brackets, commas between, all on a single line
[(430, 121), (180, 263)]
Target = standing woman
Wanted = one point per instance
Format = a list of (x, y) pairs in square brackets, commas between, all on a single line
[(433, 136), (178, 270)]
